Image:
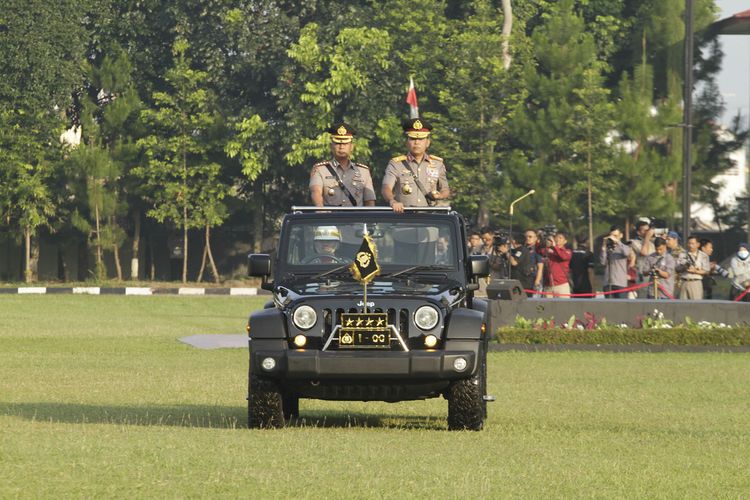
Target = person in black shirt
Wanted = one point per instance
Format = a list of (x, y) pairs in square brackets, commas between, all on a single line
[(582, 267)]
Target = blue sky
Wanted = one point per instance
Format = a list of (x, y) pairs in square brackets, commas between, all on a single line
[(734, 79)]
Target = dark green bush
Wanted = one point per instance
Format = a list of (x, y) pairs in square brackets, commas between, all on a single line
[(623, 336)]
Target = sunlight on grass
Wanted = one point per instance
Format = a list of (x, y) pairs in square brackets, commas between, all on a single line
[(98, 398)]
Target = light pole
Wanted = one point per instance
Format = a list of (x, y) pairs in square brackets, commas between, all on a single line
[(510, 211), (687, 121)]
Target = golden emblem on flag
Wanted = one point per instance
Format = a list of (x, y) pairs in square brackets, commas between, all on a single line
[(417, 125), (365, 266)]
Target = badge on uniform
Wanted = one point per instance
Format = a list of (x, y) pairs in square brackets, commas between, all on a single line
[(406, 189), (331, 191)]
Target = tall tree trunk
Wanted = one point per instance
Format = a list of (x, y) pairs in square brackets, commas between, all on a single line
[(28, 276), (99, 263), (152, 256), (203, 263), (184, 244), (211, 255), (507, 28), (258, 216), (116, 251), (184, 216), (590, 207), (135, 260)]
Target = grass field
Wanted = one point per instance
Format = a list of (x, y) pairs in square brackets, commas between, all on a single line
[(99, 399)]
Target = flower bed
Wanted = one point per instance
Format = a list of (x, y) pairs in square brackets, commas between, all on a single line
[(650, 328)]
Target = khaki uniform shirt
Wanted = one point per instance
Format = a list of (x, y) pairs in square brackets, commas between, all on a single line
[(698, 260), (356, 178), (430, 172)]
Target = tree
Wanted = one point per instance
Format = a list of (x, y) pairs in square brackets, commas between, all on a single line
[(42, 44), (480, 96), (108, 149), (182, 183)]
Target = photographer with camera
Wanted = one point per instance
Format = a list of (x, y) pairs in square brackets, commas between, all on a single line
[(693, 266), (616, 257), (500, 257), (661, 270), (558, 265), (643, 247)]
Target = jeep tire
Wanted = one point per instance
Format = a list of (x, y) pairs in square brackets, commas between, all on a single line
[(290, 404), (264, 404), (466, 405)]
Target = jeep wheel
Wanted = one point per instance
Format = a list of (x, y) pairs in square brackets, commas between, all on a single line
[(291, 406), (264, 408), (466, 404)]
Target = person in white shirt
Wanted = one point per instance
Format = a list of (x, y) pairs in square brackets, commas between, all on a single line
[(739, 272)]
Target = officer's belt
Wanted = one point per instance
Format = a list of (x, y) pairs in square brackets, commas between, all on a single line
[(341, 184), (430, 202)]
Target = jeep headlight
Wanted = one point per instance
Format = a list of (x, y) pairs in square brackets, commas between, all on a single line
[(304, 317), (426, 317)]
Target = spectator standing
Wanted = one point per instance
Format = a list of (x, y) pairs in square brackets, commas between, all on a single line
[(521, 268), (642, 247), (536, 264), (500, 259), (615, 257), (558, 259), (475, 243), (661, 266), (582, 267), (739, 271), (707, 247), (488, 236), (675, 250), (693, 266)]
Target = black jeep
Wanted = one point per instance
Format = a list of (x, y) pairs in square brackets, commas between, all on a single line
[(416, 332)]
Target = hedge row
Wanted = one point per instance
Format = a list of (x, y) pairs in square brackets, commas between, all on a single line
[(623, 336)]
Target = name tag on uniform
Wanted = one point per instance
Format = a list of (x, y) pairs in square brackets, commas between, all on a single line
[(433, 172)]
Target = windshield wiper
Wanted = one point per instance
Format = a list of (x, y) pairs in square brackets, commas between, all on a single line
[(413, 269), (330, 271)]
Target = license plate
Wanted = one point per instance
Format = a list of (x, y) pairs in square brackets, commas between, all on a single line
[(364, 331)]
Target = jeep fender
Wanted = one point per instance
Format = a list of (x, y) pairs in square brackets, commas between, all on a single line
[(464, 324), (267, 324)]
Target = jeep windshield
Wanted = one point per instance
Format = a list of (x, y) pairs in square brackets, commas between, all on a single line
[(320, 248)]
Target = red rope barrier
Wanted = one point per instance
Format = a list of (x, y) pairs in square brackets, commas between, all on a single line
[(629, 289), (669, 296), (739, 297)]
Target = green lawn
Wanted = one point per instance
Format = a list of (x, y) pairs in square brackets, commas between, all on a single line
[(98, 399)]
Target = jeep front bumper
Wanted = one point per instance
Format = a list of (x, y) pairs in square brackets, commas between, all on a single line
[(386, 365)]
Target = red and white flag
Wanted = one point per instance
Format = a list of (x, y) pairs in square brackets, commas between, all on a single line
[(411, 100)]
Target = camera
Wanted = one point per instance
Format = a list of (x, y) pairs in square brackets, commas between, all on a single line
[(610, 243), (500, 239)]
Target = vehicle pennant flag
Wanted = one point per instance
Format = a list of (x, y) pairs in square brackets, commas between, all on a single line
[(411, 100), (365, 266)]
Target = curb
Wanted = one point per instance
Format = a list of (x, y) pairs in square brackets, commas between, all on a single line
[(95, 290)]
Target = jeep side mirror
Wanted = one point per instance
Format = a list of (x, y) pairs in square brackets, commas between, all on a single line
[(479, 266), (259, 265)]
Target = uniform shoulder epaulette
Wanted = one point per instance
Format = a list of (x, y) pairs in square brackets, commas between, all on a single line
[(362, 165), (435, 157), (399, 158), (322, 164)]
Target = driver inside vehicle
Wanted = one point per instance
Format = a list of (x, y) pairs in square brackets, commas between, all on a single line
[(326, 241)]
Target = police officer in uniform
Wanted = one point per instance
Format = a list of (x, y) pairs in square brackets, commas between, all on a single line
[(340, 182), (417, 179)]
